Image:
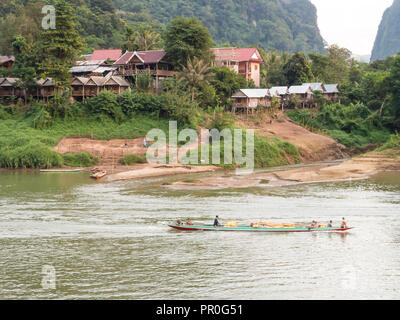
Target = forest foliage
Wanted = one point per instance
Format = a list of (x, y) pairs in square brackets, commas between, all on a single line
[(284, 25)]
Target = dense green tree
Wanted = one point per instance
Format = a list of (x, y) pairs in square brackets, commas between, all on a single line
[(394, 90), (105, 5), (226, 82), (271, 70), (339, 63), (297, 70), (319, 65), (60, 46), (186, 39), (18, 19)]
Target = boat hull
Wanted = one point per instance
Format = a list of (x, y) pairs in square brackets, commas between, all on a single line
[(250, 229)]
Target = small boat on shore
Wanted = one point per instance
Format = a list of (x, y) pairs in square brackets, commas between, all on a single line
[(249, 228), (98, 173)]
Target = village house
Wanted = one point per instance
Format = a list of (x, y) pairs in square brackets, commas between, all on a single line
[(153, 62), (332, 93), (8, 87), (280, 93), (83, 88), (250, 99), (301, 95), (7, 62), (244, 61)]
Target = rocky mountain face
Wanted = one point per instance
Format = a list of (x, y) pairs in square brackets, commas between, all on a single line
[(387, 42)]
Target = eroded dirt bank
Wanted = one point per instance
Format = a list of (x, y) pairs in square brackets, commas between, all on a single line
[(313, 147)]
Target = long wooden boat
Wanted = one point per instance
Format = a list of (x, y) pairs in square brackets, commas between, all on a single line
[(61, 170), (184, 227)]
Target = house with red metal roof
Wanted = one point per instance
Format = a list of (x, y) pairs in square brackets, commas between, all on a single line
[(244, 61), (110, 55), (153, 62)]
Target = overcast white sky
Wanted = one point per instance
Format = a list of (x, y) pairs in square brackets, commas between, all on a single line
[(352, 24)]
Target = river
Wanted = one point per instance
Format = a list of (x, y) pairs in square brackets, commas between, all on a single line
[(63, 236)]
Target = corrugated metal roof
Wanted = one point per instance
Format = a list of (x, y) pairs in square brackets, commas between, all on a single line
[(83, 69), (278, 91), (315, 86), (252, 93), (104, 69), (299, 89), (331, 88), (8, 82)]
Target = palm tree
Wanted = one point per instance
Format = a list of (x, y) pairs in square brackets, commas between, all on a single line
[(196, 74), (141, 40), (146, 39)]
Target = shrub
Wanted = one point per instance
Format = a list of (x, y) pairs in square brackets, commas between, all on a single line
[(82, 159), (106, 102), (353, 126), (33, 155), (131, 159), (392, 143), (4, 115)]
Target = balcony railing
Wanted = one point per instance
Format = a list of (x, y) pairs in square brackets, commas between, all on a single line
[(160, 73)]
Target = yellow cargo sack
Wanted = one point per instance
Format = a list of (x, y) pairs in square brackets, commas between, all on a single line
[(231, 224), (289, 225)]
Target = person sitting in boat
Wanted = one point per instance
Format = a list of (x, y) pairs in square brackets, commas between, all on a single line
[(344, 224), (330, 224), (179, 222), (189, 222), (314, 224), (216, 222)]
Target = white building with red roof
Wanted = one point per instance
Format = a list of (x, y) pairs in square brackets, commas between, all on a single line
[(244, 61)]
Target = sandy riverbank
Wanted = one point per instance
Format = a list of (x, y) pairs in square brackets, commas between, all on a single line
[(360, 167), (154, 170)]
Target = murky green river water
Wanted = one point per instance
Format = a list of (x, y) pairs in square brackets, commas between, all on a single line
[(63, 236)]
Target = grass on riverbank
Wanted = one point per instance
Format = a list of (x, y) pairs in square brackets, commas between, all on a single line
[(22, 146), (268, 152), (132, 159), (354, 126), (391, 147), (81, 159)]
